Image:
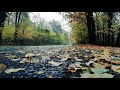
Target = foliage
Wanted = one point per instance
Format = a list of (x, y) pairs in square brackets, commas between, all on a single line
[(39, 32), (79, 29), (106, 27), (8, 32)]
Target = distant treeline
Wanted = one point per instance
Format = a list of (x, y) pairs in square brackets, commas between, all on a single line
[(16, 28)]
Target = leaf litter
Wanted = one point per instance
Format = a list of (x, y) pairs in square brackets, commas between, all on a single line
[(83, 61)]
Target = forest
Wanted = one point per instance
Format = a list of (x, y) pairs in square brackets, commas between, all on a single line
[(99, 28), (38, 48), (18, 29)]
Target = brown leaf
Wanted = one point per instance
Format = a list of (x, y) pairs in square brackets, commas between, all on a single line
[(72, 70), (104, 65), (86, 58), (2, 67)]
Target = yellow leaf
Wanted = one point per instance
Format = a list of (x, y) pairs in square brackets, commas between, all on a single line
[(106, 52)]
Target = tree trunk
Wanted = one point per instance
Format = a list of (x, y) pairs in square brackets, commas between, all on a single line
[(118, 40), (103, 25), (103, 36), (112, 39), (17, 19), (8, 19), (110, 15), (91, 28), (3, 15)]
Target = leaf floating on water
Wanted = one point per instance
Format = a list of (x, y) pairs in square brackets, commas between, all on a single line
[(13, 70), (49, 76), (34, 61), (76, 64), (106, 52), (25, 60), (63, 60), (21, 51), (39, 54), (29, 55), (88, 75), (55, 63), (116, 68), (74, 67), (72, 70), (39, 72), (16, 59), (11, 56), (99, 71), (22, 61), (64, 57), (78, 59), (89, 63)]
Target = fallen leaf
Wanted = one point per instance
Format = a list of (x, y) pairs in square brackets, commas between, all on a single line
[(11, 56), (39, 54), (104, 64), (89, 63), (99, 71), (25, 60), (72, 70), (106, 52), (16, 59), (116, 68), (39, 72), (13, 70), (88, 75), (2, 68), (75, 65), (102, 58), (29, 55), (55, 63), (49, 76)]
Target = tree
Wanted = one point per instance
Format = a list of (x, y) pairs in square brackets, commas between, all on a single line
[(118, 39), (91, 28), (17, 19), (77, 21), (110, 15), (3, 16), (56, 27)]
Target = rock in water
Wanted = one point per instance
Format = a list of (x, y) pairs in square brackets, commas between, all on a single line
[(2, 68)]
